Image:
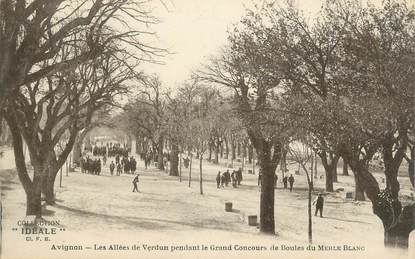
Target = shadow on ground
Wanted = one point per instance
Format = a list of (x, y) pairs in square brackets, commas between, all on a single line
[(148, 223)]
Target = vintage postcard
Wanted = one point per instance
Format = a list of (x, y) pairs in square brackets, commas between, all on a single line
[(207, 129)]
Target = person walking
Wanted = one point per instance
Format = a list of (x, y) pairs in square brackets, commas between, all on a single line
[(133, 165), (117, 159), (135, 182), (239, 176), (227, 177), (319, 204), (285, 181), (234, 179), (223, 180), (98, 166), (112, 167), (119, 169), (291, 181), (218, 177)]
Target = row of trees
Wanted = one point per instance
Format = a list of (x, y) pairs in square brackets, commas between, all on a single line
[(342, 83), (61, 63), (163, 120)]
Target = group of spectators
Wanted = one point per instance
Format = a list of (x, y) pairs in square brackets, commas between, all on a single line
[(147, 157), (91, 166), (110, 150), (124, 164), (285, 180), (223, 179)]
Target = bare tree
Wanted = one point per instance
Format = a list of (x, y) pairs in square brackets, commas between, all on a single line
[(303, 155), (146, 115), (246, 68), (47, 110), (32, 34)]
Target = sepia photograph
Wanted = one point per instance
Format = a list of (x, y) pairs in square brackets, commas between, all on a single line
[(207, 129)]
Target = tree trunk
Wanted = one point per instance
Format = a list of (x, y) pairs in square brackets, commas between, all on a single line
[(50, 186), (216, 161), (392, 160), (310, 215), (33, 198), (190, 169), (221, 150), (160, 154), (330, 168), (77, 149), (180, 166), (250, 153), (200, 176), (398, 235), (364, 180), (54, 165), (239, 149), (32, 188), (267, 169), (233, 147), (77, 153), (226, 149), (345, 168), (397, 223), (359, 189), (283, 163), (243, 152), (334, 172), (174, 160), (411, 167), (315, 166), (210, 153)]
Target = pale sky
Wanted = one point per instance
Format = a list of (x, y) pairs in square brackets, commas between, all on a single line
[(194, 30)]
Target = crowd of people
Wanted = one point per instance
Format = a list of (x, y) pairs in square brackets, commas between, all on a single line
[(91, 166), (223, 179), (285, 180), (147, 157), (123, 163), (128, 165), (110, 150)]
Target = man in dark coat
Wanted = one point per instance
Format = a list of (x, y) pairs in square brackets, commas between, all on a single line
[(227, 177), (83, 165), (239, 176), (218, 177), (99, 166), (119, 168), (319, 204), (133, 165), (112, 167), (117, 159), (234, 177), (223, 179), (135, 182), (126, 163), (291, 181), (146, 160), (285, 181)]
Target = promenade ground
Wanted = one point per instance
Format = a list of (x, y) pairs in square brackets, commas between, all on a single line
[(103, 210)]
